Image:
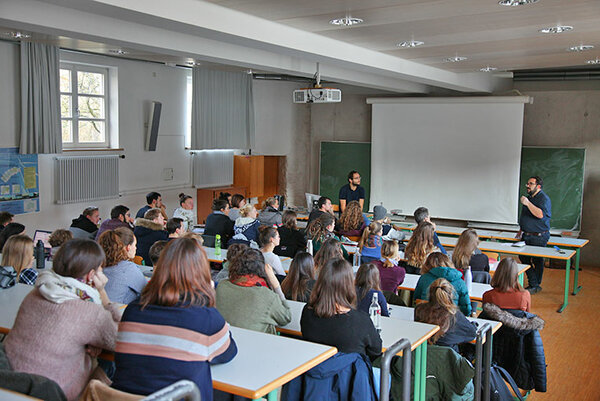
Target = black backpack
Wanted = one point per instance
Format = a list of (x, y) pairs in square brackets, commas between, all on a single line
[(499, 378)]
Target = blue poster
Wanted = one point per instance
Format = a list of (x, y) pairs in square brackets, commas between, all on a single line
[(19, 182)]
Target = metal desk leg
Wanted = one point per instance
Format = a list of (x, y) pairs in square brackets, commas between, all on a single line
[(576, 287), (423, 384), (272, 396), (482, 360), (386, 361), (520, 278), (418, 371), (567, 274), (487, 364)]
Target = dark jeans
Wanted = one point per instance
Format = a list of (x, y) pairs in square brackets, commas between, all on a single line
[(535, 273)]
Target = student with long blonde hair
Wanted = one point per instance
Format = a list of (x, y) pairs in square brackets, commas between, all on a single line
[(466, 254), (370, 242), (437, 266), (352, 221), (18, 253), (391, 275), (507, 293), (441, 310), (419, 246)]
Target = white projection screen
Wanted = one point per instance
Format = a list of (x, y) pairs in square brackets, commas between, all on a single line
[(459, 157)]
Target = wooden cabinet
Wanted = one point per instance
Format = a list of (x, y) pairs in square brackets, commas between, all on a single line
[(249, 172), (205, 197)]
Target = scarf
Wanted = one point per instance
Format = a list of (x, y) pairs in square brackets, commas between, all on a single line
[(58, 289), (249, 280)]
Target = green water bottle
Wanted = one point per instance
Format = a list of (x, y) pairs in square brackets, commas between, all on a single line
[(217, 245)]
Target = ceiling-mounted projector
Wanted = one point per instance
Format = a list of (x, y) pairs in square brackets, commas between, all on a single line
[(317, 95)]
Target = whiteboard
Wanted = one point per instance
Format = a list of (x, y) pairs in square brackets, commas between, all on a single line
[(459, 158)]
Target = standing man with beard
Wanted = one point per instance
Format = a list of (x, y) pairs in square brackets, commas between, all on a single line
[(535, 229)]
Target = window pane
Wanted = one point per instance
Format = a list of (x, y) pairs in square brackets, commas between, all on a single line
[(67, 132), (65, 106), (90, 83), (91, 107), (65, 80), (91, 132)]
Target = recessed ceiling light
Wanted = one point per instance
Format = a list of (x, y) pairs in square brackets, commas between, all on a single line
[(487, 68), (17, 35), (580, 48), (346, 21), (455, 59), (556, 29), (514, 3), (410, 43), (594, 61), (118, 51)]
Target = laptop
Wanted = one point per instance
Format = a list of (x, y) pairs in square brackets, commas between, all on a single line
[(44, 236)]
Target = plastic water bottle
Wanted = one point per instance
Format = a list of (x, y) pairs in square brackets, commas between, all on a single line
[(309, 246), (375, 312), (39, 255), (217, 245), (469, 279), (356, 259)]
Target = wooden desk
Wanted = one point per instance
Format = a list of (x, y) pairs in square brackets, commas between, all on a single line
[(392, 330), (265, 362), (410, 283), (210, 253), (11, 299)]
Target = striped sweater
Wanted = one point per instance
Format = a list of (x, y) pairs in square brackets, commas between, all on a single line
[(160, 345)]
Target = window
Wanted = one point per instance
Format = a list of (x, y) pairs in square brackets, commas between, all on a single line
[(84, 106)]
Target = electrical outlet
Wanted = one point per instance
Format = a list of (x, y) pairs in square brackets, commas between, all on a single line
[(167, 174)]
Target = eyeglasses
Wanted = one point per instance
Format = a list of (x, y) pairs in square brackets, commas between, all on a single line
[(530, 184)]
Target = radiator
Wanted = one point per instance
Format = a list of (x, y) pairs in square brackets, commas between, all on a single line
[(213, 168), (86, 178)]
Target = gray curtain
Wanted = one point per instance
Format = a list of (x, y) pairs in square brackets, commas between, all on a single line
[(222, 110), (40, 99)]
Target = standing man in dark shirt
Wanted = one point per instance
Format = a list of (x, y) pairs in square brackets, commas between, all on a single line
[(352, 191), (535, 229)]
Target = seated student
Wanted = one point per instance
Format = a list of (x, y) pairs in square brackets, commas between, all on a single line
[(422, 214), (251, 298), (86, 225), (391, 275), (323, 206), (18, 253), (225, 196), (175, 228), (119, 217), (419, 246), (300, 280), (237, 202), (331, 249), (367, 284), (370, 243), (352, 222), (59, 237), (441, 310), (154, 201), (466, 254), (507, 293), (155, 251), (292, 240), (185, 211), (437, 266), (268, 239), (270, 214), (125, 279), (148, 230), (320, 230), (173, 331), (66, 320), (5, 218), (245, 228), (218, 222), (10, 230), (330, 316), (233, 251)]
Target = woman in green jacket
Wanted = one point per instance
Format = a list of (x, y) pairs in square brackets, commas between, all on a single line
[(320, 230)]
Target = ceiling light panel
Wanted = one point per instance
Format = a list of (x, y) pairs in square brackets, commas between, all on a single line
[(557, 29), (410, 44), (455, 59), (515, 3), (346, 21), (580, 48)]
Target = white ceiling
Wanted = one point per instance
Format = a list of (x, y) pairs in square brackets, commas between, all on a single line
[(290, 37)]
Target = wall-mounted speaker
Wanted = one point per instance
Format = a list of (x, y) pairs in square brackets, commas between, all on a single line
[(153, 122)]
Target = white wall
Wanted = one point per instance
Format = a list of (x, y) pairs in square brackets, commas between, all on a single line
[(140, 171)]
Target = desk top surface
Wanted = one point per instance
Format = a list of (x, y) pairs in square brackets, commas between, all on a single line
[(392, 330), (411, 280), (8, 395), (11, 299), (265, 362)]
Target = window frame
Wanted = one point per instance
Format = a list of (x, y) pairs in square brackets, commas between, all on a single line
[(74, 68)]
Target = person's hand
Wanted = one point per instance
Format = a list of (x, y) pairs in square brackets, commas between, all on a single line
[(271, 276), (99, 280), (524, 200), (93, 351), (387, 220)]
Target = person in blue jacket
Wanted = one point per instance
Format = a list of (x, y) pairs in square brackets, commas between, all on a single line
[(437, 266)]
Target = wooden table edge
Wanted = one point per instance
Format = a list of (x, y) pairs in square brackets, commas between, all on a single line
[(266, 389)]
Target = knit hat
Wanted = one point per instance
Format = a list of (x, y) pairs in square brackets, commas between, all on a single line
[(379, 212)]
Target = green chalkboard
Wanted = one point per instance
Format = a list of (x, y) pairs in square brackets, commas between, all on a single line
[(337, 160), (562, 170)]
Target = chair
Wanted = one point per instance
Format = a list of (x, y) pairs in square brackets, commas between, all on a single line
[(99, 391), (493, 256), (209, 240), (138, 260)]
